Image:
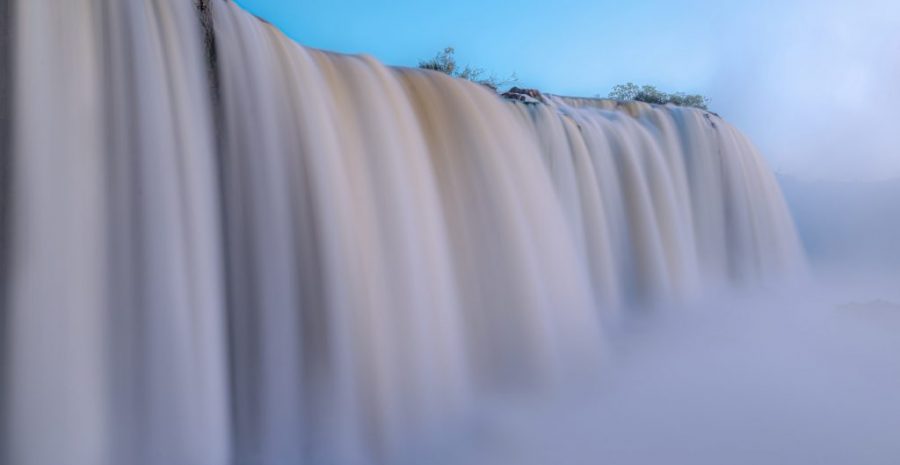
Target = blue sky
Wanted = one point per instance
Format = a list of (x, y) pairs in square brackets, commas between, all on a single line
[(812, 82), (574, 47)]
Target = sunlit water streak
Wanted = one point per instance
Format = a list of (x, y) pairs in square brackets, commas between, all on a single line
[(359, 260)]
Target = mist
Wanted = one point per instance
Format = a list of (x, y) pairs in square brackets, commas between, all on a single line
[(802, 377), (814, 85)]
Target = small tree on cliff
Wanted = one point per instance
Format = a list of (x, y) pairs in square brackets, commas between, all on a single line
[(445, 62), (651, 94)]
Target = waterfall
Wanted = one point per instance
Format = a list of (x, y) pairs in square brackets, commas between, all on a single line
[(321, 259)]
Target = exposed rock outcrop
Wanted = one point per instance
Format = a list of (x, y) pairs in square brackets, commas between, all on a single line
[(531, 96)]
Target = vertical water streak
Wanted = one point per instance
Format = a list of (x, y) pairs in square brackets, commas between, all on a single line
[(115, 305), (58, 376), (165, 299)]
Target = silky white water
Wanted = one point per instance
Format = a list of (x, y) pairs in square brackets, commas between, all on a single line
[(321, 259)]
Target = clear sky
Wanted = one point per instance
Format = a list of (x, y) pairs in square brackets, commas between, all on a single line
[(814, 83)]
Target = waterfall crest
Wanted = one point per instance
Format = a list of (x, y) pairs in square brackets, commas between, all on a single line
[(360, 256)]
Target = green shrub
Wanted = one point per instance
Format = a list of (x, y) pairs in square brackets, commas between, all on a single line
[(445, 62), (651, 94)]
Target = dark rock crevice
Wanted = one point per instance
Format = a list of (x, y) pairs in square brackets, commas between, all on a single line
[(205, 16), (204, 11)]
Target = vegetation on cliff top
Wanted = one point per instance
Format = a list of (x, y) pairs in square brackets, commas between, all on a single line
[(650, 94), (445, 62)]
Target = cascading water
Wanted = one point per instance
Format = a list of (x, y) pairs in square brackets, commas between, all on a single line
[(361, 256)]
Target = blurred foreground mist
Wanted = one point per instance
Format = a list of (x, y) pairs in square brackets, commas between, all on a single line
[(805, 377)]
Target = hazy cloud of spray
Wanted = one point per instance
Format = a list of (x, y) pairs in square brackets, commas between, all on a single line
[(814, 84), (804, 377)]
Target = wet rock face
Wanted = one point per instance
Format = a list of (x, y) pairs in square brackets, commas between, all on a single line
[(532, 96), (204, 12)]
